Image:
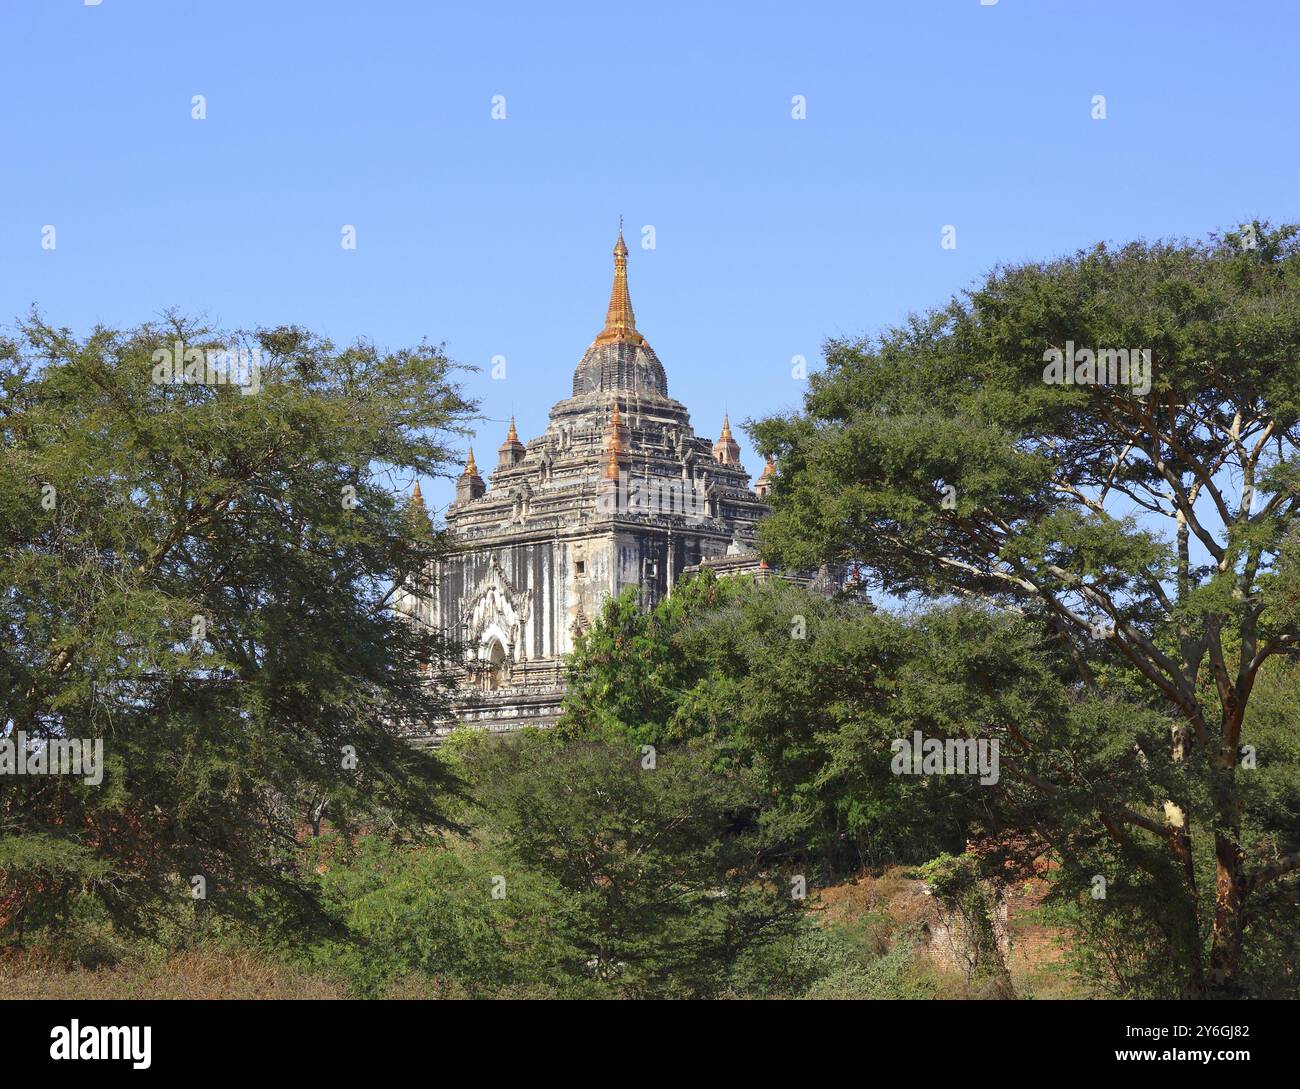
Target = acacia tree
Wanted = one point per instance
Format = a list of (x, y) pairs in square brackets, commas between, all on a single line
[(794, 687), (1154, 529), (656, 869), (198, 576)]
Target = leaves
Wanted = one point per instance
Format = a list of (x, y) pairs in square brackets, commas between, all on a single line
[(199, 597)]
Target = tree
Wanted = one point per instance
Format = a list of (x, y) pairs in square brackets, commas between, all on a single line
[(1151, 524), (791, 687), (659, 879), (627, 671), (429, 909), (196, 575)]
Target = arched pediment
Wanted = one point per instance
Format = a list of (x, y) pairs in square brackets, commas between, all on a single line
[(497, 611)]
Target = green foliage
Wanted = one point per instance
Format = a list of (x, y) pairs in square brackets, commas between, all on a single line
[(172, 502), (1149, 532), (586, 874), (897, 975), (628, 670), (809, 715), (814, 718), (429, 910), (662, 878)]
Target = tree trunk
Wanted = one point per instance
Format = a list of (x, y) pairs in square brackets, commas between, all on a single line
[(1229, 886), (1187, 927), (1229, 879)]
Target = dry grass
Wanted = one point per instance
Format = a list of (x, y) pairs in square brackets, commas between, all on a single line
[(194, 974), (204, 974), (890, 893)]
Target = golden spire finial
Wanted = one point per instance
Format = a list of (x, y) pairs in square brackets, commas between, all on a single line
[(470, 468), (616, 445), (417, 500), (620, 321), (512, 435), (726, 426), (612, 467)]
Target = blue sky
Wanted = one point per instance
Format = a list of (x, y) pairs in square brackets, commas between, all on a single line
[(494, 236)]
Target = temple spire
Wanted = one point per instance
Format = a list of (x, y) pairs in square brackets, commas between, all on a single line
[(764, 484), (620, 321), (616, 445), (727, 449), (416, 510), (512, 451), (469, 485), (617, 439)]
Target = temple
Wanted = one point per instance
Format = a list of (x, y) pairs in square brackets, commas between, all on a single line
[(618, 492)]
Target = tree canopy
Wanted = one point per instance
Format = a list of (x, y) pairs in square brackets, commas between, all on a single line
[(1149, 519), (197, 575)]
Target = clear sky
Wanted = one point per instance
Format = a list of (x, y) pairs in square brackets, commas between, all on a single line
[(494, 236)]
